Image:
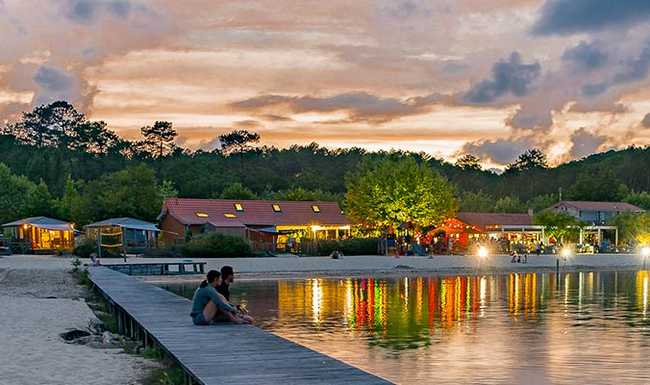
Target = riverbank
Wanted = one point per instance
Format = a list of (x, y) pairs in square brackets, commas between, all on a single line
[(305, 267), (40, 300)]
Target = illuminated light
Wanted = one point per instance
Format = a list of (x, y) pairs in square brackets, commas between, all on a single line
[(201, 214), (482, 252), (25, 226), (566, 252), (645, 251), (315, 208), (315, 228), (230, 215), (276, 207), (238, 207)]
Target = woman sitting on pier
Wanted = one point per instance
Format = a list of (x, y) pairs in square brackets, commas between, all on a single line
[(208, 306)]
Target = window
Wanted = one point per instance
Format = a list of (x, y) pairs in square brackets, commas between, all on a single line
[(201, 214), (238, 207), (315, 208), (277, 208), (230, 215)]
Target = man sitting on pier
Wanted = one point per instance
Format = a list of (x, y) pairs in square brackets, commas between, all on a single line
[(227, 278), (208, 306)]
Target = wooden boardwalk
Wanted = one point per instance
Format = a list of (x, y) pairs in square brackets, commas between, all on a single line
[(218, 354)]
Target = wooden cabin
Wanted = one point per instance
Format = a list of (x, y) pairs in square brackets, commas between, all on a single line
[(266, 224), (39, 235), (124, 235)]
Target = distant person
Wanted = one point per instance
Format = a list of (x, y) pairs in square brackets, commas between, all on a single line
[(227, 278), (209, 307), (513, 253)]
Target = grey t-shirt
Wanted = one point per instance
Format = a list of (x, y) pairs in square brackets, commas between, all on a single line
[(205, 294)]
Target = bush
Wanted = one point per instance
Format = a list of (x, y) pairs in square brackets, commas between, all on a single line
[(215, 245), (85, 248), (352, 246)]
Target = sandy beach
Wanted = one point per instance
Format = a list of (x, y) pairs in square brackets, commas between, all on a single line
[(40, 300)]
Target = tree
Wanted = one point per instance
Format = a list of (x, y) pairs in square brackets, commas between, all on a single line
[(562, 226), (237, 191), (16, 193), (589, 186), (478, 202), (541, 202), (66, 205), (509, 204), (50, 125), (530, 160), (469, 162), (238, 141), (159, 138), (301, 194), (640, 199), (633, 228), (392, 192), (167, 190)]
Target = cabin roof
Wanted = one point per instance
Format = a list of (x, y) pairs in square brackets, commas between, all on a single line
[(42, 222), (598, 206), (240, 212), (125, 222)]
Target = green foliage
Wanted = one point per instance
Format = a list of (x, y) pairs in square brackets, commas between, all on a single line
[(215, 245), (640, 199), (633, 228), (153, 354), (301, 194), (562, 226), (529, 160), (159, 138), (479, 202), (352, 246), (237, 191), (542, 202), (391, 192), (237, 141), (85, 248), (509, 204), (167, 190), (75, 264), (598, 184), (20, 197), (469, 162)]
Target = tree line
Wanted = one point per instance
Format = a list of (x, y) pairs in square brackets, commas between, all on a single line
[(57, 162)]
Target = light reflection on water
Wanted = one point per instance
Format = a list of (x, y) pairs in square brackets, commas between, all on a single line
[(528, 328)]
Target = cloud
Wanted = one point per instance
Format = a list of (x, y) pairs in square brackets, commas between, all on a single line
[(508, 77), (584, 143), (585, 56), (633, 70), (500, 151), (87, 11), (645, 122), (55, 84), (361, 106), (563, 17)]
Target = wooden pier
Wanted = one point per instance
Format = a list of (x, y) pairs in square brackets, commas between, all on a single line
[(159, 268), (217, 354)]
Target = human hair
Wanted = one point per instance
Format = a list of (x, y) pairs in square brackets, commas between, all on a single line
[(227, 271), (212, 275)]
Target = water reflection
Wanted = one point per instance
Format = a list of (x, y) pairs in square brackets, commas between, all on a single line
[(585, 327)]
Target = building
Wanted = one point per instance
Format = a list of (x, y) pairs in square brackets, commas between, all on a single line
[(40, 235), (504, 230), (124, 235), (268, 225), (594, 213)]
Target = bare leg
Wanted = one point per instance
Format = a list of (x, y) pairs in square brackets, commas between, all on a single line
[(209, 311)]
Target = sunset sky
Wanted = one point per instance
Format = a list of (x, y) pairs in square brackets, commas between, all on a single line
[(487, 77)]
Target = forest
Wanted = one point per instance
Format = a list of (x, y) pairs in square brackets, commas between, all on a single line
[(54, 161)]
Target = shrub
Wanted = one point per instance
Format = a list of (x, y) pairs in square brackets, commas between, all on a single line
[(85, 248), (352, 246), (215, 245)]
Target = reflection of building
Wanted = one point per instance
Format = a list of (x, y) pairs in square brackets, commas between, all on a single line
[(268, 225), (125, 234), (40, 234), (506, 230)]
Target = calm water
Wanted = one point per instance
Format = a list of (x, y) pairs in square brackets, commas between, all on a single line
[(519, 328)]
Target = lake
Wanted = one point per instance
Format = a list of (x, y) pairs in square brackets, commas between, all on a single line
[(518, 328)]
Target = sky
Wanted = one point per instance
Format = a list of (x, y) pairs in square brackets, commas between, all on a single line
[(448, 77)]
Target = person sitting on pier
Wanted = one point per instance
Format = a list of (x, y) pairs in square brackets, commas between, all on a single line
[(227, 278), (208, 306)]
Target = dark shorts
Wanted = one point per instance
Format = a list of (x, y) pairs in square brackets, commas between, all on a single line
[(199, 320)]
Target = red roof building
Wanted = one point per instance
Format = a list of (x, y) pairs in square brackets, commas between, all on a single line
[(267, 222)]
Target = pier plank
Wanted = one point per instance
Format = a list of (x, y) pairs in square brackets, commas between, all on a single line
[(253, 356)]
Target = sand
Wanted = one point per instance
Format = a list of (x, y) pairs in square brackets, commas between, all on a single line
[(38, 301)]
